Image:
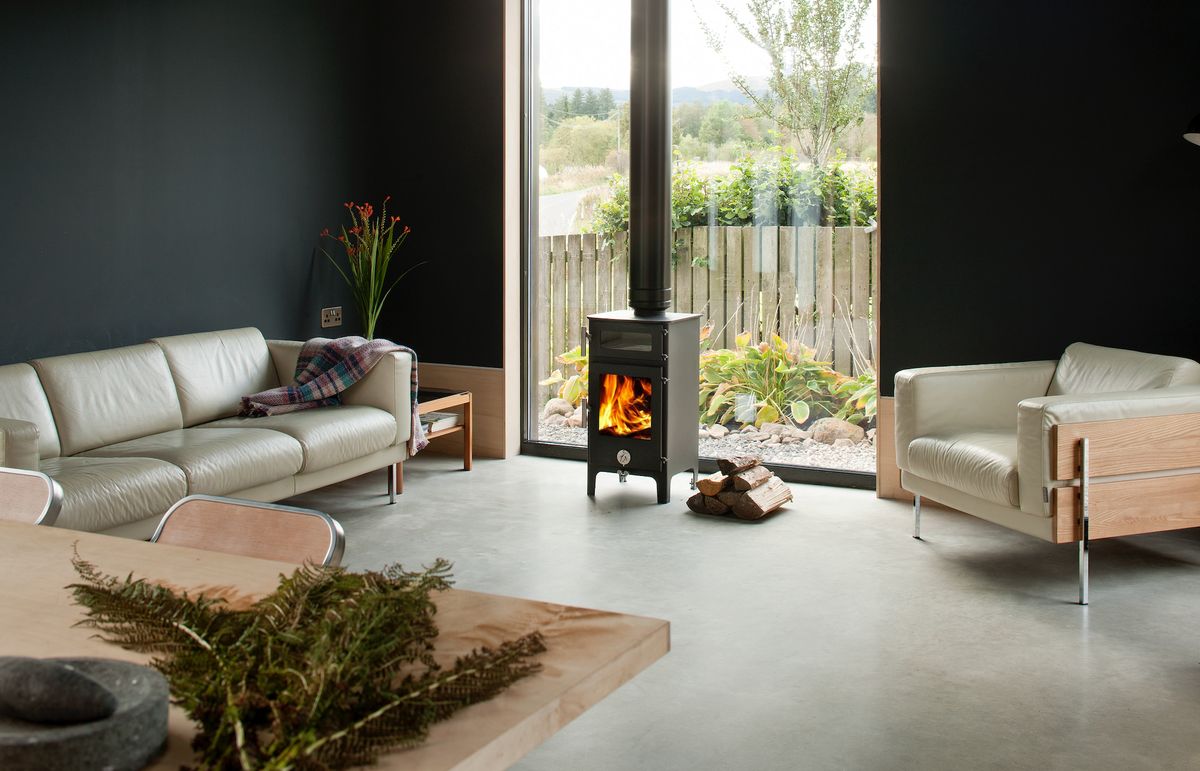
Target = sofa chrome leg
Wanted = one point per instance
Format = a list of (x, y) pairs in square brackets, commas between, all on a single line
[(1083, 522), (917, 517), (391, 475)]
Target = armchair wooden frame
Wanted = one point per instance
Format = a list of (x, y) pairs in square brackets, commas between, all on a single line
[(1119, 477), (22, 490)]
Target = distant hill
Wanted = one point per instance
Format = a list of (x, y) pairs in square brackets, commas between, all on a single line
[(721, 91)]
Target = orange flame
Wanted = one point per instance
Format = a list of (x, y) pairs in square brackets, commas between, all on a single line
[(625, 406)]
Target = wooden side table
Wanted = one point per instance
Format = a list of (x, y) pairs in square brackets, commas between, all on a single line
[(430, 400)]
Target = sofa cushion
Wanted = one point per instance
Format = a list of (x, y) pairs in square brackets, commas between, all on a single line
[(22, 398), (214, 370), (329, 435), (1093, 369), (103, 397), (101, 493), (979, 463), (217, 461)]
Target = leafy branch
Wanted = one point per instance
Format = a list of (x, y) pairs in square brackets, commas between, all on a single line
[(328, 671)]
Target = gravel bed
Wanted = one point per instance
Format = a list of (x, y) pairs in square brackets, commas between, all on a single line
[(859, 457)]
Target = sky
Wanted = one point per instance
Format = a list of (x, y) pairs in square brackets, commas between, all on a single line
[(586, 43)]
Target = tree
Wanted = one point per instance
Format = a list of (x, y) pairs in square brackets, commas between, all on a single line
[(686, 120), (720, 124), (816, 89)]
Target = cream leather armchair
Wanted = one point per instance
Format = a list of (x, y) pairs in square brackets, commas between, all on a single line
[(1101, 443)]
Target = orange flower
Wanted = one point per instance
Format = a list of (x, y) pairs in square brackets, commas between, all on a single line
[(325, 233), (407, 230)]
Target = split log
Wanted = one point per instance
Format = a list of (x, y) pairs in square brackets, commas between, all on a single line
[(706, 504), (751, 478), (762, 500), (736, 463), (711, 485), (729, 497), (715, 505)]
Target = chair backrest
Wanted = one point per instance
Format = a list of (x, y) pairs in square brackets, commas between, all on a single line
[(29, 496), (1093, 369), (253, 529)]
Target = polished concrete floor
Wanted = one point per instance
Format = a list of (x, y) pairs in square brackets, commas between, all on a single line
[(825, 638)]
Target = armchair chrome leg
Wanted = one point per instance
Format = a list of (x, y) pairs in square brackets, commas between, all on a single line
[(1083, 522), (917, 517), (391, 475)]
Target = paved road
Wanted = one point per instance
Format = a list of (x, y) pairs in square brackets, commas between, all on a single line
[(556, 214)]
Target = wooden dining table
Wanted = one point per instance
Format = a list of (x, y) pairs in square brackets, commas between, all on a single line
[(589, 653)]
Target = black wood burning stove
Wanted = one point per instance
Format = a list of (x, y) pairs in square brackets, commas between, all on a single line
[(643, 413), (643, 365)]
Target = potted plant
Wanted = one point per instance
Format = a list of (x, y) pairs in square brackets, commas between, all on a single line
[(369, 244)]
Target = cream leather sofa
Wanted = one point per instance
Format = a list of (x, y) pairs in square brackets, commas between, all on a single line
[(129, 431), (1103, 442)]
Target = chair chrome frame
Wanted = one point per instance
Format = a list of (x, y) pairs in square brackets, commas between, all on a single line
[(54, 501), (337, 536)]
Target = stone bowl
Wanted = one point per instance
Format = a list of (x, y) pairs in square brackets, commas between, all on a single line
[(126, 741)]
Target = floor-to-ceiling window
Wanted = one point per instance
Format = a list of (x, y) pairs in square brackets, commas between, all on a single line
[(774, 205)]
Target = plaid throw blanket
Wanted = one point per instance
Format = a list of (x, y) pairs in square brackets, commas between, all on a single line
[(326, 368)]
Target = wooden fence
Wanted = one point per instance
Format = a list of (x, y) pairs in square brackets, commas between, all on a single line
[(811, 284)]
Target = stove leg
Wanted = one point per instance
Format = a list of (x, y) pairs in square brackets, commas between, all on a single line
[(591, 475), (664, 490)]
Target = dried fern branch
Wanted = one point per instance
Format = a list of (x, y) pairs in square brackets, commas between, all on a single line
[(328, 671)]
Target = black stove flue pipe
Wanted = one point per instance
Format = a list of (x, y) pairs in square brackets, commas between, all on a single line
[(650, 233)]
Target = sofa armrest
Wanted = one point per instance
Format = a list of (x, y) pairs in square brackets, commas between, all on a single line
[(933, 400), (1038, 416), (388, 387), (284, 355), (19, 444)]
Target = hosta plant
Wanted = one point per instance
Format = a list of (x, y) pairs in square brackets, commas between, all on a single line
[(785, 382), (573, 387), (860, 397)]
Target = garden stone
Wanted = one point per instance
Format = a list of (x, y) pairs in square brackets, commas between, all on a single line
[(43, 691), (811, 442), (843, 443), (749, 428), (787, 439), (772, 439), (556, 419), (718, 431), (558, 407), (704, 434), (829, 430), (796, 433), (773, 428)]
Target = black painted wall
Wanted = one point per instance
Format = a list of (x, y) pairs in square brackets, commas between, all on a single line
[(1035, 187), (165, 167), (443, 156)]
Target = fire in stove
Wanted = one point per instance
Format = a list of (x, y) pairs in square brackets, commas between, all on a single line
[(625, 406)]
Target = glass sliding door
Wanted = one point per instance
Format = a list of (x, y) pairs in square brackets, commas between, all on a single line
[(774, 208), (774, 202), (578, 150)]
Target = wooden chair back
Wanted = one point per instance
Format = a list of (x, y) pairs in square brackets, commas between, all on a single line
[(253, 529), (29, 496)]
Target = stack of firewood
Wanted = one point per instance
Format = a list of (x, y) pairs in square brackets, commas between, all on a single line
[(743, 487)]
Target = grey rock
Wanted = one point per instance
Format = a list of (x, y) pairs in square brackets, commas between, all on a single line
[(772, 439), (127, 740), (704, 434), (773, 428), (43, 691), (796, 433), (842, 443), (829, 430), (575, 421), (558, 407), (556, 419), (749, 428), (811, 443), (718, 431)]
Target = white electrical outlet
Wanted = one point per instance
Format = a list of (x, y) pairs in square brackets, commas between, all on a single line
[(331, 317)]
